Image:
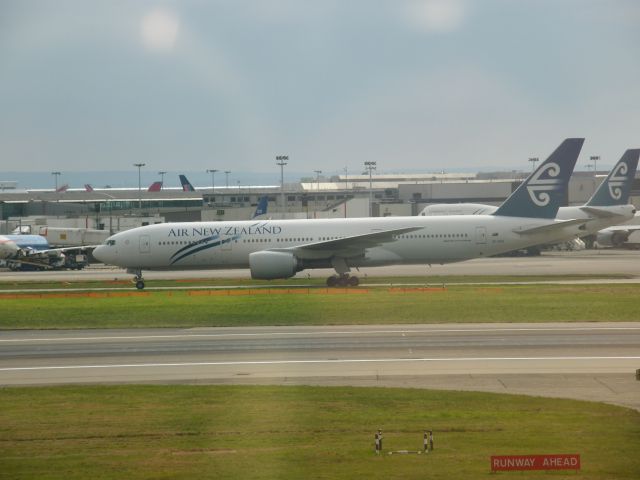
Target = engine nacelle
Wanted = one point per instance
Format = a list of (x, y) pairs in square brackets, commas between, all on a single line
[(271, 265), (608, 238)]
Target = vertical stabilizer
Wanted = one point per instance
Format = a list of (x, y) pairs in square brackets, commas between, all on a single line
[(186, 184), (545, 190), (261, 209), (616, 187)]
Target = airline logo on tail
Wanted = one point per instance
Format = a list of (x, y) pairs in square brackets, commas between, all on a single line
[(539, 186), (617, 180)]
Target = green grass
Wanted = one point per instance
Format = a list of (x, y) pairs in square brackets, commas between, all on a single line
[(217, 282), (507, 303), (299, 432)]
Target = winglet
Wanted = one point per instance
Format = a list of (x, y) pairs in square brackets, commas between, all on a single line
[(545, 190), (615, 189), (186, 184)]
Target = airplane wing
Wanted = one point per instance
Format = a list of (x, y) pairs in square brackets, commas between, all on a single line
[(551, 227), (346, 246)]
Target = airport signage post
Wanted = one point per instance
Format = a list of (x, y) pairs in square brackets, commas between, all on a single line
[(535, 462)]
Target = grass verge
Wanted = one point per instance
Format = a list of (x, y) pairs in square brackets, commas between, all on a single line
[(506, 303), (299, 432)]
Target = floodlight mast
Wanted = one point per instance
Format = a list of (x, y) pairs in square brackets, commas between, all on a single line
[(282, 160)]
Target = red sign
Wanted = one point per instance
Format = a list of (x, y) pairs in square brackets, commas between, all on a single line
[(535, 462)]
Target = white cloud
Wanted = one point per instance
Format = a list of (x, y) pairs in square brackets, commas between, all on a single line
[(436, 16), (159, 30)]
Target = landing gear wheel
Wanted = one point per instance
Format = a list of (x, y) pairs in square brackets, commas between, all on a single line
[(332, 281), (343, 281), (353, 281), (140, 284)]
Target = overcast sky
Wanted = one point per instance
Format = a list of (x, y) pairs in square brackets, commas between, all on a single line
[(415, 84)]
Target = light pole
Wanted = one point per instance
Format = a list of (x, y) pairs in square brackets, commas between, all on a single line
[(56, 175), (139, 165), (226, 176), (346, 187), (317, 172), (282, 161), (212, 171), (371, 166), (594, 159), (533, 161), (161, 179)]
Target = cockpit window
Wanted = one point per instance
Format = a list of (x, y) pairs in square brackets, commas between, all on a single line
[(111, 242)]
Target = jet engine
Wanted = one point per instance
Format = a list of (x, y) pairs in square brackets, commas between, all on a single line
[(609, 238), (271, 265)]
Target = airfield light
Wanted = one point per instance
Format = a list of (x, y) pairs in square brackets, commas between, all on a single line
[(226, 175), (139, 165), (56, 175), (161, 179), (594, 159), (212, 171), (533, 161), (282, 160), (371, 166)]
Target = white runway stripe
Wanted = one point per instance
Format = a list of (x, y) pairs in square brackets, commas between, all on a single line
[(318, 362)]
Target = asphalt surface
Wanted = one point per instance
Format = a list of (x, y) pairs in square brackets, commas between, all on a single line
[(585, 262), (591, 361)]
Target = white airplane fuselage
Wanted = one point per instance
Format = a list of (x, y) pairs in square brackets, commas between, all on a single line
[(223, 245)]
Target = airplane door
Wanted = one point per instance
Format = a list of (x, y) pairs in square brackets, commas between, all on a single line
[(481, 235), (145, 244)]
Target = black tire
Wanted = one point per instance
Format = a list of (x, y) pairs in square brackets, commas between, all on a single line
[(332, 281), (140, 284), (354, 281)]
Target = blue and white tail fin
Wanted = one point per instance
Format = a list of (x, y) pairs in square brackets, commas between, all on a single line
[(261, 209), (545, 190), (186, 184), (616, 187)]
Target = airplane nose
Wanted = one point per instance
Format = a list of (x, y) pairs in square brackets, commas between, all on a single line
[(100, 254)]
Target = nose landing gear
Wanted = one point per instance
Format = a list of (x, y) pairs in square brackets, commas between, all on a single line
[(139, 281)]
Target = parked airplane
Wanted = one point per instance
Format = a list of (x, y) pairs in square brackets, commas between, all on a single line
[(19, 252), (280, 248), (155, 187), (607, 206), (186, 184), (261, 209)]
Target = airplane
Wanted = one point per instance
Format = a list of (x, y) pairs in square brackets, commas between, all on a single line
[(608, 205), (88, 187), (34, 252), (155, 187), (274, 249), (186, 184), (62, 189), (261, 209)]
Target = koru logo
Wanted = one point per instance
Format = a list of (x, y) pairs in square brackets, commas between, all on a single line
[(617, 179), (538, 187)]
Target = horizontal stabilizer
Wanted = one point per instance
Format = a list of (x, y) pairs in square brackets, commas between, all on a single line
[(550, 227), (600, 212)]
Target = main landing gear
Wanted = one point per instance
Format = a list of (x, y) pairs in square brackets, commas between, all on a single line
[(342, 280)]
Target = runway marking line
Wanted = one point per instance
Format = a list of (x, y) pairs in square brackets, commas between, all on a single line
[(307, 362), (315, 333)]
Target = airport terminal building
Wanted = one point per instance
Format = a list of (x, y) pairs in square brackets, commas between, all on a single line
[(113, 209)]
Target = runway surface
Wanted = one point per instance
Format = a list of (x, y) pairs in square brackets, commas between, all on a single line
[(582, 360), (585, 262)]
